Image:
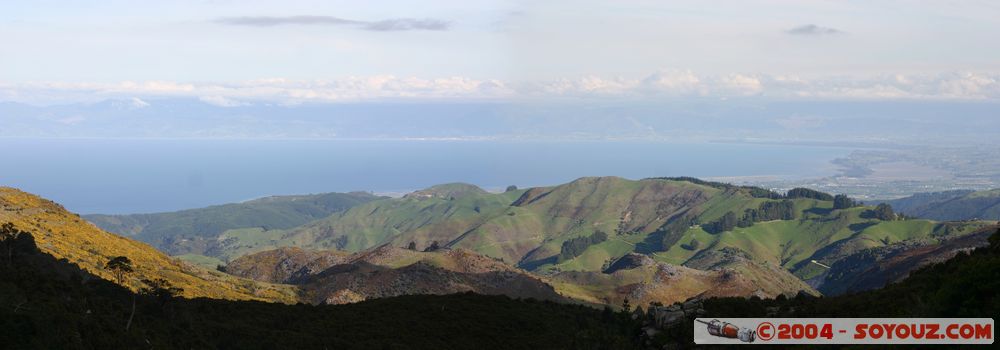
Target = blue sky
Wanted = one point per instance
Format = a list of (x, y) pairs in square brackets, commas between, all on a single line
[(236, 52)]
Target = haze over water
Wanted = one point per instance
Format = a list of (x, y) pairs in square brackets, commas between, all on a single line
[(138, 176)]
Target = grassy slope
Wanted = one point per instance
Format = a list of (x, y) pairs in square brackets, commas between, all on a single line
[(433, 218), (793, 243), (201, 260), (65, 235), (627, 210), (669, 284)]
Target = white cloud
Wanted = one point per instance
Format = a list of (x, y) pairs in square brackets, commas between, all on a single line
[(384, 25), (673, 82), (739, 84), (662, 84), (221, 101), (812, 29)]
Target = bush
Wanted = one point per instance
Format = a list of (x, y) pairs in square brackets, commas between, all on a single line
[(808, 193), (576, 246), (725, 223), (842, 201), (693, 245)]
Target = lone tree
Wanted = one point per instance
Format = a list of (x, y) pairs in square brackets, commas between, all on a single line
[(121, 267), (842, 201), (882, 212), (9, 234), (693, 245)]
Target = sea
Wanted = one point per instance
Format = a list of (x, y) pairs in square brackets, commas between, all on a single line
[(120, 176)]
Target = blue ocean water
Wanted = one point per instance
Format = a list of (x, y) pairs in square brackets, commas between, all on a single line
[(139, 176)]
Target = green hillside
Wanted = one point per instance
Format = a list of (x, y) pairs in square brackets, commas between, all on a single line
[(587, 224), (951, 205), (192, 231), (679, 221)]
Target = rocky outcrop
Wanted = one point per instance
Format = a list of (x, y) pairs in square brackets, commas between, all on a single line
[(658, 317), (630, 261), (288, 265), (711, 259), (666, 316)]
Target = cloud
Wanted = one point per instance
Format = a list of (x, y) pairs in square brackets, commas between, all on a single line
[(812, 29), (386, 25), (284, 91), (264, 21), (221, 101), (669, 84), (407, 24)]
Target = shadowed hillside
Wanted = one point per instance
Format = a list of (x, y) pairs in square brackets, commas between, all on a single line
[(47, 303), (875, 267), (330, 277)]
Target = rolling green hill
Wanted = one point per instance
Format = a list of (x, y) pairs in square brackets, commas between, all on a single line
[(951, 205), (569, 234), (193, 232), (677, 221)]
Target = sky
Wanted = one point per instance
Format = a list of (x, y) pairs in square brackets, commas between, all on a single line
[(232, 53)]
